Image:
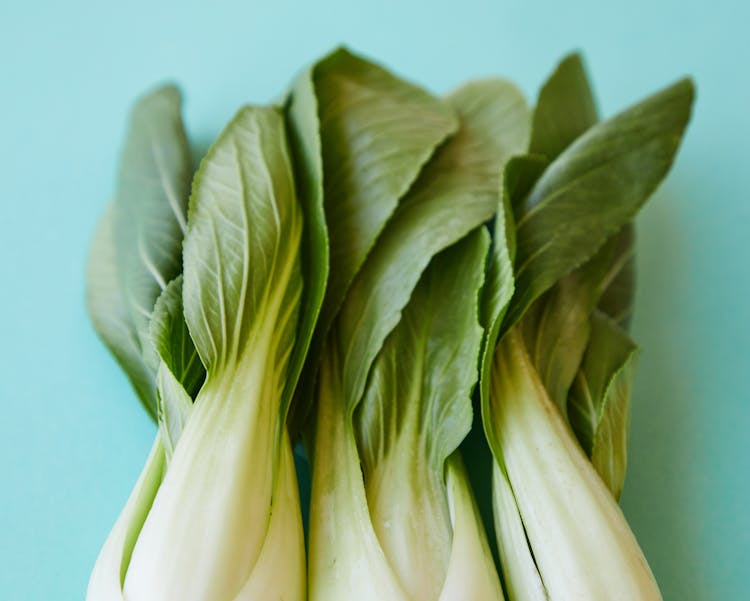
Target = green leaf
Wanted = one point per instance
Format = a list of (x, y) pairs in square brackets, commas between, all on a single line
[(595, 186), (565, 109), (136, 250), (171, 339), (230, 491), (180, 373), (153, 186), (376, 131), (421, 382), (556, 326), (456, 192), (518, 175), (598, 405), (417, 410), (304, 139), (617, 298), (110, 315), (243, 278)]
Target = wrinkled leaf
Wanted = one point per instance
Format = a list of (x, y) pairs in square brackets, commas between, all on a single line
[(456, 192), (375, 131), (243, 279), (137, 247)]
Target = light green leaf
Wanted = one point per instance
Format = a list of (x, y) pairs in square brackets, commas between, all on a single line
[(456, 192), (241, 296), (421, 381), (595, 186), (417, 410), (242, 267), (110, 314), (598, 405)]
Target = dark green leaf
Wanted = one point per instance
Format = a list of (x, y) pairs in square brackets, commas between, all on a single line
[(456, 192), (556, 326), (373, 132), (377, 131), (565, 109), (305, 143), (594, 187), (172, 341), (417, 410), (617, 298)]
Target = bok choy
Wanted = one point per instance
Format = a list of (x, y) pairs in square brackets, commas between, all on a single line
[(561, 534), (328, 279)]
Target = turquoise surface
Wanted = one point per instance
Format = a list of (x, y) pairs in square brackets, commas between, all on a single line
[(72, 435)]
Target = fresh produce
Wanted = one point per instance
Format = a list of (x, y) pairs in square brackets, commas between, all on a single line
[(329, 281)]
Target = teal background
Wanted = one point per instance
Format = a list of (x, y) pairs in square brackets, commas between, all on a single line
[(72, 435)]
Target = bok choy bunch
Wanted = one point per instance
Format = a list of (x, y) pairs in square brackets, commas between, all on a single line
[(328, 277), (223, 518), (392, 515), (556, 360)]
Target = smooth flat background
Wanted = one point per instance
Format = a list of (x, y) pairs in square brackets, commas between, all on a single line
[(72, 436)]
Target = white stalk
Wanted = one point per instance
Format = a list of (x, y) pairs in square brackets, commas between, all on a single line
[(580, 540), (105, 582)]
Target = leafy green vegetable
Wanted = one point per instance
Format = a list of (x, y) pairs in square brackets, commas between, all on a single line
[(363, 135), (227, 512), (406, 526), (336, 266), (455, 193), (136, 250), (592, 178)]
